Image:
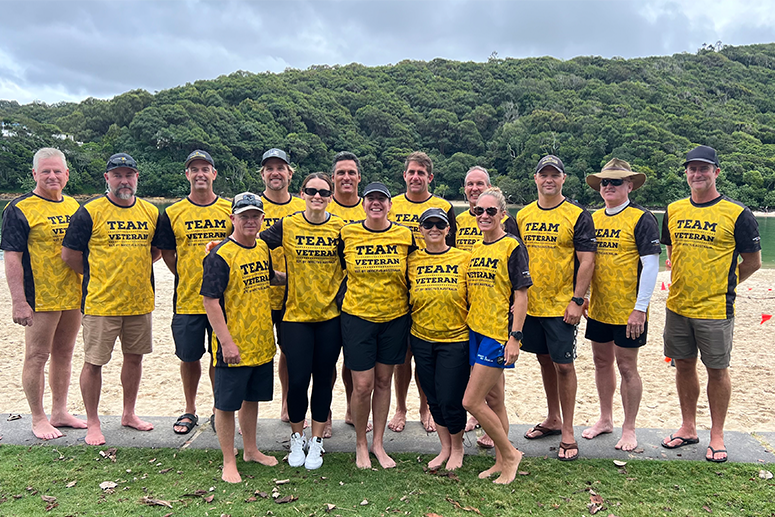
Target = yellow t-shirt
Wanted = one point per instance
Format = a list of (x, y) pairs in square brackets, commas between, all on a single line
[(622, 239), (273, 212), (375, 262), (187, 228), (315, 274), (552, 237), (496, 270), (407, 213), (239, 278), (468, 232), (35, 227), (349, 214), (707, 240), (116, 244), (438, 295)]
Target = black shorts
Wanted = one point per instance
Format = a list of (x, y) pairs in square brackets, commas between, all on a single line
[(605, 332), (235, 384), (277, 318), (366, 344), (193, 335), (550, 336)]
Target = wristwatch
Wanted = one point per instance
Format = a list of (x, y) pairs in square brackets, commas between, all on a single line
[(578, 301), (516, 334)]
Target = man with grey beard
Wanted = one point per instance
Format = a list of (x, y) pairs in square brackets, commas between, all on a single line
[(110, 241)]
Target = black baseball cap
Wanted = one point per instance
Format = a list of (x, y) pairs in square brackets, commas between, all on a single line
[(702, 153), (376, 186), (434, 213), (275, 153), (550, 160), (199, 155), (246, 201), (121, 160)]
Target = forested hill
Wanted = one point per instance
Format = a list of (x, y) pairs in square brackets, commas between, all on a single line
[(503, 114)]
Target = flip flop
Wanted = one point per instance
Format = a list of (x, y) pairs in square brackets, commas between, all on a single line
[(569, 447), (713, 455), (684, 441), (193, 420), (545, 431)]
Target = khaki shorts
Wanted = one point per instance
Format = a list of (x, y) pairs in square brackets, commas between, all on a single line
[(713, 338), (100, 333)]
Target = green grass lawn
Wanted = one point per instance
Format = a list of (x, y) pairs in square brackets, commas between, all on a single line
[(188, 483)]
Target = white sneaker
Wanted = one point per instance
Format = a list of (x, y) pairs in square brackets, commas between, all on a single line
[(315, 454), (298, 444)]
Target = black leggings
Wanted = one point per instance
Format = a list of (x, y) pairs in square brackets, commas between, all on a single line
[(443, 370), (311, 350)]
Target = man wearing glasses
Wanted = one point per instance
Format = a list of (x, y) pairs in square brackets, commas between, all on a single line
[(626, 267), (406, 211), (110, 241), (706, 235), (560, 240), (185, 228)]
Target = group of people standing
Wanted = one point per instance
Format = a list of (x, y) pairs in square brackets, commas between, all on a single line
[(384, 279)]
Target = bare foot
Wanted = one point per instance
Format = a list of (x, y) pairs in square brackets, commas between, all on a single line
[(385, 461), (67, 420), (362, 459), (485, 442), (427, 421), (134, 422), (45, 431), (349, 421), (260, 457), (495, 469), (348, 418), (284, 413), (455, 460), (628, 441), (328, 430), (438, 461), (398, 422), (231, 474), (599, 428), (472, 424), (94, 436), (509, 471)]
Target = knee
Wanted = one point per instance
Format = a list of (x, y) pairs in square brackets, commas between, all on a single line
[(362, 388), (603, 362), (565, 370), (628, 371), (382, 382), (36, 356)]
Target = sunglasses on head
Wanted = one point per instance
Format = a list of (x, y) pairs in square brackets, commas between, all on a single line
[(438, 223), (246, 200), (324, 192), (615, 182), (492, 211)]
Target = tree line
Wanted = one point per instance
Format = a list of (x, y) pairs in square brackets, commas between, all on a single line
[(503, 114)]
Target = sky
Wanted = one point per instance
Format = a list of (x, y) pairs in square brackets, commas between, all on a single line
[(54, 51)]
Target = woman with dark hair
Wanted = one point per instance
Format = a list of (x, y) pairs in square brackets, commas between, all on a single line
[(311, 332), (439, 335)]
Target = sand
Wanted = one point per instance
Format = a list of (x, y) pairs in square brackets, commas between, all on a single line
[(752, 407)]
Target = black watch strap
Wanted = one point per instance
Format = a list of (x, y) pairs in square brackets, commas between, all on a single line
[(578, 301), (516, 334)]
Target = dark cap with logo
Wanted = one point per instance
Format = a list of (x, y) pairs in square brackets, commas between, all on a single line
[(275, 153), (550, 160), (199, 155), (246, 201), (121, 160), (376, 186), (702, 153), (434, 213)]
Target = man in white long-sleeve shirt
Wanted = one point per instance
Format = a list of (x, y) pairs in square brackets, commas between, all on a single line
[(626, 267)]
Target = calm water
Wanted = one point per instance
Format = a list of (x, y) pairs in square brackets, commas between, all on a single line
[(766, 229)]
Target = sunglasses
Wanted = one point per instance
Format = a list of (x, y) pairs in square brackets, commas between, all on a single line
[(437, 223), (324, 192), (615, 182), (492, 211)]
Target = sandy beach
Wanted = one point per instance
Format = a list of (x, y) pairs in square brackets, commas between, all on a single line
[(752, 406)]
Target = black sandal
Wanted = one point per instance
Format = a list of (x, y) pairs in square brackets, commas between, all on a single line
[(192, 422)]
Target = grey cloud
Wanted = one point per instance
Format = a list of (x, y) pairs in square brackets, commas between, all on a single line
[(105, 48)]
